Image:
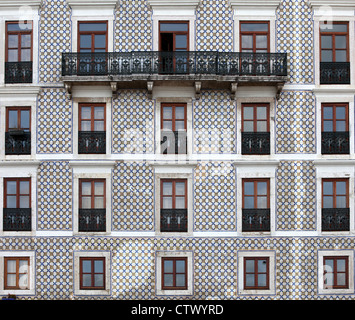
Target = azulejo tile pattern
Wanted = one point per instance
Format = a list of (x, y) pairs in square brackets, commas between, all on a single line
[(214, 123), (55, 29), (295, 123), (133, 122), (296, 195), (133, 196), (54, 122), (214, 197), (54, 196)]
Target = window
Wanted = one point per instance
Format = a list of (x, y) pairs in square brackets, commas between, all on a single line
[(335, 129), (92, 273), (255, 129), (254, 36), (334, 53), (18, 131), (16, 273), (335, 205), (174, 273), (17, 204), (173, 213), (336, 273), (92, 205), (92, 128), (256, 273), (173, 124), (256, 205), (18, 66)]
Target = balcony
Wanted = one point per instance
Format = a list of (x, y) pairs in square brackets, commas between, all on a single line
[(17, 219), (18, 72), (174, 142), (335, 219), (335, 73), (255, 220), (173, 220), (92, 142), (335, 143), (215, 70), (92, 220), (255, 142), (17, 142)]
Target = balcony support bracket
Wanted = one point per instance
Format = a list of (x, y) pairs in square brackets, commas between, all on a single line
[(68, 89), (114, 88), (198, 86), (150, 85), (279, 87), (234, 87)]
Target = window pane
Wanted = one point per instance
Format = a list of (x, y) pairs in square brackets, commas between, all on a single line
[(85, 41), (327, 202), (12, 41), (180, 280), (167, 188), (248, 113), (248, 188), (340, 112), (11, 187), (24, 202), (86, 202), (340, 126), (332, 27), (341, 202), (249, 266), (341, 279), (99, 125), (92, 27), (100, 41), (167, 203), (25, 119), (86, 113), (12, 55), (329, 265), (262, 280), (87, 280), (86, 188), (262, 188), (180, 113), (248, 126), (254, 27), (98, 266), (181, 41), (85, 126), (340, 42), (180, 188), (261, 113), (327, 187), (168, 266), (99, 203), (262, 265), (248, 203), (11, 266), (262, 202), (249, 280), (11, 202), (261, 41), (327, 56), (99, 188), (99, 113), (328, 126), (261, 126), (13, 119), (168, 280), (86, 265), (26, 55), (341, 265), (23, 281), (179, 125), (167, 112), (19, 26), (168, 125), (247, 42), (340, 56), (327, 42), (11, 280), (173, 27), (341, 187), (99, 280), (180, 266), (180, 203), (24, 187), (327, 112), (26, 41)]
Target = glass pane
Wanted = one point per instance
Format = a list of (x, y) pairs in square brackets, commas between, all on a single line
[(248, 126), (180, 188), (261, 126), (11, 202), (168, 125), (12, 41), (262, 265), (333, 27), (262, 202), (341, 187), (25, 119), (262, 188), (327, 187), (86, 188), (262, 280), (99, 125), (167, 112), (99, 203), (86, 113), (340, 56), (85, 126), (24, 201), (247, 42), (86, 265), (248, 113), (180, 266), (168, 280), (248, 188), (11, 187), (327, 42), (11, 266), (327, 56), (98, 266), (180, 113), (167, 202), (99, 113), (327, 202), (11, 280), (341, 265), (99, 280), (341, 279), (249, 266), (86, 202), (13, 119), (340, 112), (24, 187), (99, 188), (340, 42), (340, 126), (23, 281), (92, 27), (23, 266), (261, 113), (85, 41), (87, 280), (341, 202), (26, 55), (100, 41), (328, 126), (180, 203), (248, 202), (329, 265), (168, 266), (167, 188), (261, 42), (12, 55), (180, 280), (19, 26), (181, 41), (327, 112), (173, 27), (254, 27), (249, 280), (26, 41)]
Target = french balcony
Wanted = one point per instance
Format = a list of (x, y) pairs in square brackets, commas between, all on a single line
[(255, 220), (17, 219), (256, 143), (18, 72), (92, 220), (335, 142), (92, 142), (335, 73), (174, 142), (173, 220), (203, 69), (17, 142), (335, 219)]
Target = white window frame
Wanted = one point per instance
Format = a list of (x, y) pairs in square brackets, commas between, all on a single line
[(241, 254), (76, 272), (333, 253), (31, 273), (190, 273)]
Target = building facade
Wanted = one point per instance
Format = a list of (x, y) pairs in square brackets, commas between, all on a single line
[(187, 149)]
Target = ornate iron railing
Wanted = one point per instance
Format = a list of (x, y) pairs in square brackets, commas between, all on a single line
[(92, 142), (174, 142), (92, 220), (17, 219), (17, 142), (173, 220), (335, 73), (255, 142), (335, 219), (18, 72), (175, 62), (255, 220), (335, 143)]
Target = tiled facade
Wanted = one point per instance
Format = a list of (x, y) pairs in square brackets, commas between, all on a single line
[(133, 244)]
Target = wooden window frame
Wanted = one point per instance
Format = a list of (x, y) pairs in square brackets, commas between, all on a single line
[(334, 180), (92, 195), (255, 196), (254, 34), (93, 33), (174, 273), (92, 119), (173, 120), (334, 34), (254, 120), (257, 273), (22, 32), (173, 196), (17, 259), (335, 271), (187, 33), (92, 259), (18, 109), (18, 180), (334, 106)]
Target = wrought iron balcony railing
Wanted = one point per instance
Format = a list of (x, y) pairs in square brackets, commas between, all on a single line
[(255, 220), (92, 220), (255, 142), (174, 142), (92, 142), (17, 142), (335, 73), (173, 220), (176, 62), (18, 72), (335, 219), (17, 219), (335, 142)]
